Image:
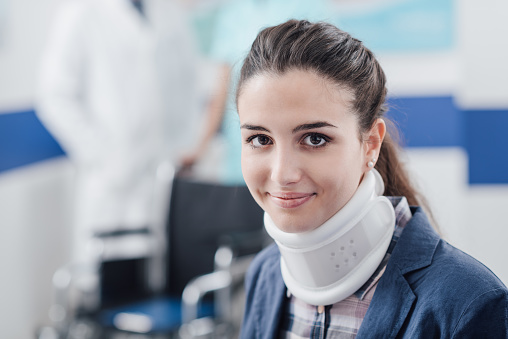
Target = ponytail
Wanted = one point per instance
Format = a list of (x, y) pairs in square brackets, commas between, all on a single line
[(395, 175), (393, 172)]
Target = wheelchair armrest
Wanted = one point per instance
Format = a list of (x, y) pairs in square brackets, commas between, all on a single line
[(197, 288), (232, 259), (229, 270)]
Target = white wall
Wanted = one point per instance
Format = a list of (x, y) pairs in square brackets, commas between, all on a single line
[(35, 205), (483, 29), (34, 201), (21, 45)]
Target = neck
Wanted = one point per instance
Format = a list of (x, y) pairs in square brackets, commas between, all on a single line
[(329, 263)]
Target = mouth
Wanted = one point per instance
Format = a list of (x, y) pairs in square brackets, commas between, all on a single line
[(290, 199)]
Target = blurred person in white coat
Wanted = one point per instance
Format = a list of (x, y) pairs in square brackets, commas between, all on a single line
[(118, 91)]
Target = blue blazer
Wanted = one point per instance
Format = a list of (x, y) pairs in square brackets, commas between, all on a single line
[(429, 290)]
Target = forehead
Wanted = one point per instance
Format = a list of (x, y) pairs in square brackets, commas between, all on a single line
[(296, 95)]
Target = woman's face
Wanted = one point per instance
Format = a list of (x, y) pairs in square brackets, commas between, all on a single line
[(302, 157)]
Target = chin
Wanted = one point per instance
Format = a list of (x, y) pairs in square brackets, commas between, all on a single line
[(293, 224)]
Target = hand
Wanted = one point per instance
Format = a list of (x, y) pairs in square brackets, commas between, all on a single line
[(189, 160)]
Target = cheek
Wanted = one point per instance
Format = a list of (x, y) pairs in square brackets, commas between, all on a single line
[(252, 171), (247, 166), (340, 178)]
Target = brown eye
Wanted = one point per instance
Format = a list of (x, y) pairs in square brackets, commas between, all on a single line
[(263, 140), (314, 140), (260, 140)]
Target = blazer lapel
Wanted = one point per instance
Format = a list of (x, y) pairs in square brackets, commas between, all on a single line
[(389, 309), (394, 296)]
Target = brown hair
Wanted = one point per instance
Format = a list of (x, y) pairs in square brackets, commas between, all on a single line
[(336, 56)]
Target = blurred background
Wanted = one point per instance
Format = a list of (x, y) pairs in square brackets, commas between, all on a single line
[(446, 66)]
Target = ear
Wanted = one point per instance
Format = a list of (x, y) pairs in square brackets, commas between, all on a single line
[(373, 140)]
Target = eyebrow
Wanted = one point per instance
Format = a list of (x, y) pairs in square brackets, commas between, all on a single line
[(297, 129), (313, 125), (254, 128)]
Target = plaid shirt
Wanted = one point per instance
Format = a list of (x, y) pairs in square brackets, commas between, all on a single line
[(343, 319)]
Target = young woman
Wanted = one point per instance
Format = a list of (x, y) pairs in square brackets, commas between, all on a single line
[(351, 258)]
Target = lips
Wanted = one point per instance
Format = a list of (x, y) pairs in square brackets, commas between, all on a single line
[(290, 199)]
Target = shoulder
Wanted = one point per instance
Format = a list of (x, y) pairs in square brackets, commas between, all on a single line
[(422, 252), (463, 293), (451, 270), (457, 267), (454, 272), (263, 281), (265, 292), (452, 288), (266, 263)]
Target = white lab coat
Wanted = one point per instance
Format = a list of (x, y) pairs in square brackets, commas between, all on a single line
[(118, 92)]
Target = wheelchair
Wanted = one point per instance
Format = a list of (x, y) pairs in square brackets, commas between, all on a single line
[(180, 278)]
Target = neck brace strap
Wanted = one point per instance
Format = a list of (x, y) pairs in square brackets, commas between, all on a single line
[(326, 265)]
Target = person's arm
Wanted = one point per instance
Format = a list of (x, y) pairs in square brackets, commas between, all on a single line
[(213, 116), (60, 93)]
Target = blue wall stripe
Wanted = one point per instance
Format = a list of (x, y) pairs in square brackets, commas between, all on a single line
[(23, 140), (487, 146), (427, 121), (423, 122)]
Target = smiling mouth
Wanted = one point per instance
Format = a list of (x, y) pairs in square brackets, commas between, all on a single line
[(290, 199)]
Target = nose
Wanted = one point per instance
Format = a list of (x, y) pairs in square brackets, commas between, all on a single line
[(286, 167)]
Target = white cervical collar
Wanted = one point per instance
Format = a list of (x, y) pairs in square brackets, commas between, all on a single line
[(331, 262)]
